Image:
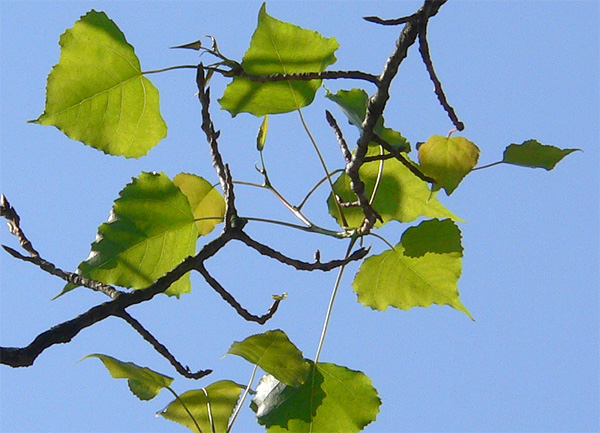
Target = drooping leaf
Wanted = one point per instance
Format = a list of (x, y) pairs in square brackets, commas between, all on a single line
[(354, 105), (208, 205), (150, 231), (333, 399), (144, 383), (395, 279), (278, 47), (401, 195), (97, 94), (432, 236), (447, 160), (276, 354), (532, 153), (216, 402), (261, 138)]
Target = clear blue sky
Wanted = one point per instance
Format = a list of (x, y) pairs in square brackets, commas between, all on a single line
[(513, 70)]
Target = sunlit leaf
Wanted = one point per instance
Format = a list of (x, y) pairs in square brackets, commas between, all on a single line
[(97, 94), (214, 403), (333, 399), (276, 354), (395, 279), (208, 205), (432, 236), (262, 133), (532, 153), (143, 382), (278, 47), (150, 231), (354, 105), (401, 195), (447, 160)]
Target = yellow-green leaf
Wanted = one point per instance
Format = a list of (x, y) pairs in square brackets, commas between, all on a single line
[(208, 205), (262, 133), (533, 154)]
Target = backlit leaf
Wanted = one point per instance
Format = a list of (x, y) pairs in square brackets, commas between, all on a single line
[(150, 231), (432, 236), (395, 279), (143, 382), (532, 153), (208, 205), (97, 94), (447, 160), (216, 402), (333, 399), (278, 47), (276, 354), (401, 195)]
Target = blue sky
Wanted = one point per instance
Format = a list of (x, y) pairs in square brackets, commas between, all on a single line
[(513, 71)]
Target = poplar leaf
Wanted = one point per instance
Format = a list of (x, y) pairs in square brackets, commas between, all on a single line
[(144, 383), (395, 279), (150, 231), (333, 399), (215, 403), (277, 47), (401, 195), (207, 204), (447, 160), (276, 354), (533, 154), (97, 94), (432, 236)]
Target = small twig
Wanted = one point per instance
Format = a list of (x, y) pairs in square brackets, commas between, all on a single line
[(391, 22), (8, 212), (160, 348), (339, 136), (398, 155), (307, 76), (235, 304)]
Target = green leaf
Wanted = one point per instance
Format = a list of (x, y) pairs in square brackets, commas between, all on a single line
[(144, 383), (401, 195), (150, 231), (447, 160), (208, 206), (97, 94), (278, 47), (432, 236), (276, 354), (354, 105), (262, 133), (333, 399), (216, 402), (395, 279), (532, 153)]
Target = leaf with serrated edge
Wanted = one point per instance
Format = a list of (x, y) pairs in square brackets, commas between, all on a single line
[(333, 399), (274, 353), (97, 94), (401, 195), (533, 154), (216, 401), (150, 231), (208, 206), (447, 160), (278, 47), (432, 236), (143, 382), (394, 279)]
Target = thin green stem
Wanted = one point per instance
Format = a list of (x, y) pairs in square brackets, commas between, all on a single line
[(488, 166), (209, 412), (185, 407), (170, 68), (317, 185), (241, 402), (312, 229), (382, 239), (379, 177)]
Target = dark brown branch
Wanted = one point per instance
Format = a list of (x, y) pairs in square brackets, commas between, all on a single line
[(160, 348), (339, 136), (8, 212), (307, 76), (299, 264), (398, 155), (235, 304), (391, 22), (437, 85)]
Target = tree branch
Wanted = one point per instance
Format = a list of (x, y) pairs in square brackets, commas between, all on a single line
[(306, 76)]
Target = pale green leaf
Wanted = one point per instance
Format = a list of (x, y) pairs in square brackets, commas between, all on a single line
[(215, 403), (208, 206), (333, 399), (532, 153), (432, 236), (394, 279), (143, 382), (401, 195), (276, 354), (150, 231), (278, 47), (97, 94), (447, 160)]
